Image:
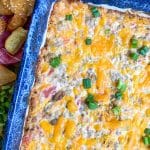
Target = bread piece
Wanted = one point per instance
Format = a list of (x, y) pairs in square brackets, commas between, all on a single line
[(16, 21), (6, 75), (14, 42)]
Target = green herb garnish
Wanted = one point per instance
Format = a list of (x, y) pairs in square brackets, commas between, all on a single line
[(143, 51), (147, 131), (88, 41), (107, 31), (118, 95), (91, 103), (134, 43), (116, 110), (95, 12), (90, 98), (146, 140), (87, 83), (134, 56), (69, 17), (121, 86), (55, 62)]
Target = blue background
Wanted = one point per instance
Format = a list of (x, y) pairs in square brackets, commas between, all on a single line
[(31, 50)]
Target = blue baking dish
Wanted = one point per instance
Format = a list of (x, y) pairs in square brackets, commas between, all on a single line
[(25, 79)]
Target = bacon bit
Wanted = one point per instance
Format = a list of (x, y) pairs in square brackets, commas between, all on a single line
[(58, 96), (51, 71), (66, 41), (26, 139), (49, 91), (33, 102)]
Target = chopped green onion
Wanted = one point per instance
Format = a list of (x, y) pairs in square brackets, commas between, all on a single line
[(134, 56), (134, 43), (118, 95), (116, 110), (87, 83), (92, 105), (90, 98), (91, 102), (107, 31), (147, 131), (69, 17), (146, 140), (143, 50), (93, 9), (121, 86), (88, 41), (95, 12), (55, 62)]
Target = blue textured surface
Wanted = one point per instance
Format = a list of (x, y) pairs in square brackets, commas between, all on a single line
[(140, 5), (26, 76)]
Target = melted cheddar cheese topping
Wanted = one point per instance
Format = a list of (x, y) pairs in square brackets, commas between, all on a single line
[(60, 116)]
